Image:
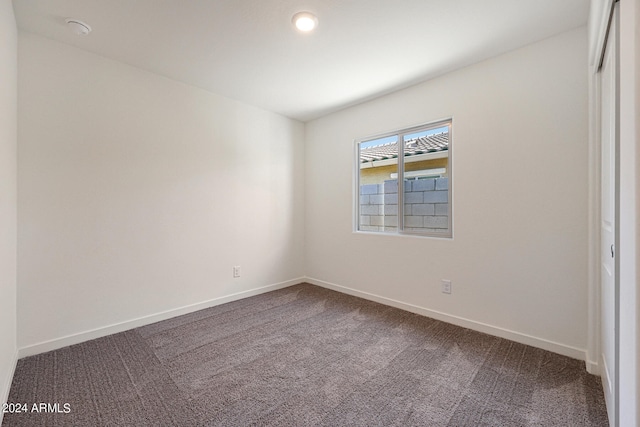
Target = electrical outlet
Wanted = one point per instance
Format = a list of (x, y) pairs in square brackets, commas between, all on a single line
[(446, 286), (236, 271)]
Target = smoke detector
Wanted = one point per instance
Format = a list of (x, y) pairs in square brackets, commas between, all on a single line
[(78, 27)]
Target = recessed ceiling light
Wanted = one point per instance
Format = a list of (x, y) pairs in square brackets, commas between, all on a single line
[(78, 27), (305, 21)]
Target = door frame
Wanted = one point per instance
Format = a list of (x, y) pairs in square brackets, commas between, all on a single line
[(599, 25)]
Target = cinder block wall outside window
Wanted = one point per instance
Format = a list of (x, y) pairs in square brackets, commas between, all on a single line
[(426, 205)]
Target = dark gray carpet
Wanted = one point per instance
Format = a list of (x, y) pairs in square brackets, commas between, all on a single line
[(305, 356)]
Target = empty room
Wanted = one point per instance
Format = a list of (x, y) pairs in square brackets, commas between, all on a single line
[(319, 213)]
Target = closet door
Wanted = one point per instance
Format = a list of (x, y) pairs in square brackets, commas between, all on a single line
[(608, 271)]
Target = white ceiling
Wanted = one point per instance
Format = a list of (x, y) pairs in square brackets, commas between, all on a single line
[(248, 50)]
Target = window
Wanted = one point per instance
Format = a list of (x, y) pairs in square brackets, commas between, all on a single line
[(408, 193)]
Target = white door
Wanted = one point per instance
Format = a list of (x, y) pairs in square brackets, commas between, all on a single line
[(607, 228)]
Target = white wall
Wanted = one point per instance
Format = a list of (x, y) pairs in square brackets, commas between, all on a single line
[(8, 201), (518, 260), (629, 212), (137, 195)]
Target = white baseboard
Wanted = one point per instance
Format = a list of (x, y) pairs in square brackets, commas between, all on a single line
[(6, 385), (65, 341), (573, 352), (592, 367), (576, 353)]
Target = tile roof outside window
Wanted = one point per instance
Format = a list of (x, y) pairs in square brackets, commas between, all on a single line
[(426, 144)]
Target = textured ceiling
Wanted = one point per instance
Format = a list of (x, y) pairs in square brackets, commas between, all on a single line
[(248, 50)]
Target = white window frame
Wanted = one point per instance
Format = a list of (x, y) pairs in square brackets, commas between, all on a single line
[(401, 133)]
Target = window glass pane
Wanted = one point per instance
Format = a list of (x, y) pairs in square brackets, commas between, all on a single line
[(421, 157), (426, 181), (378, 198)]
